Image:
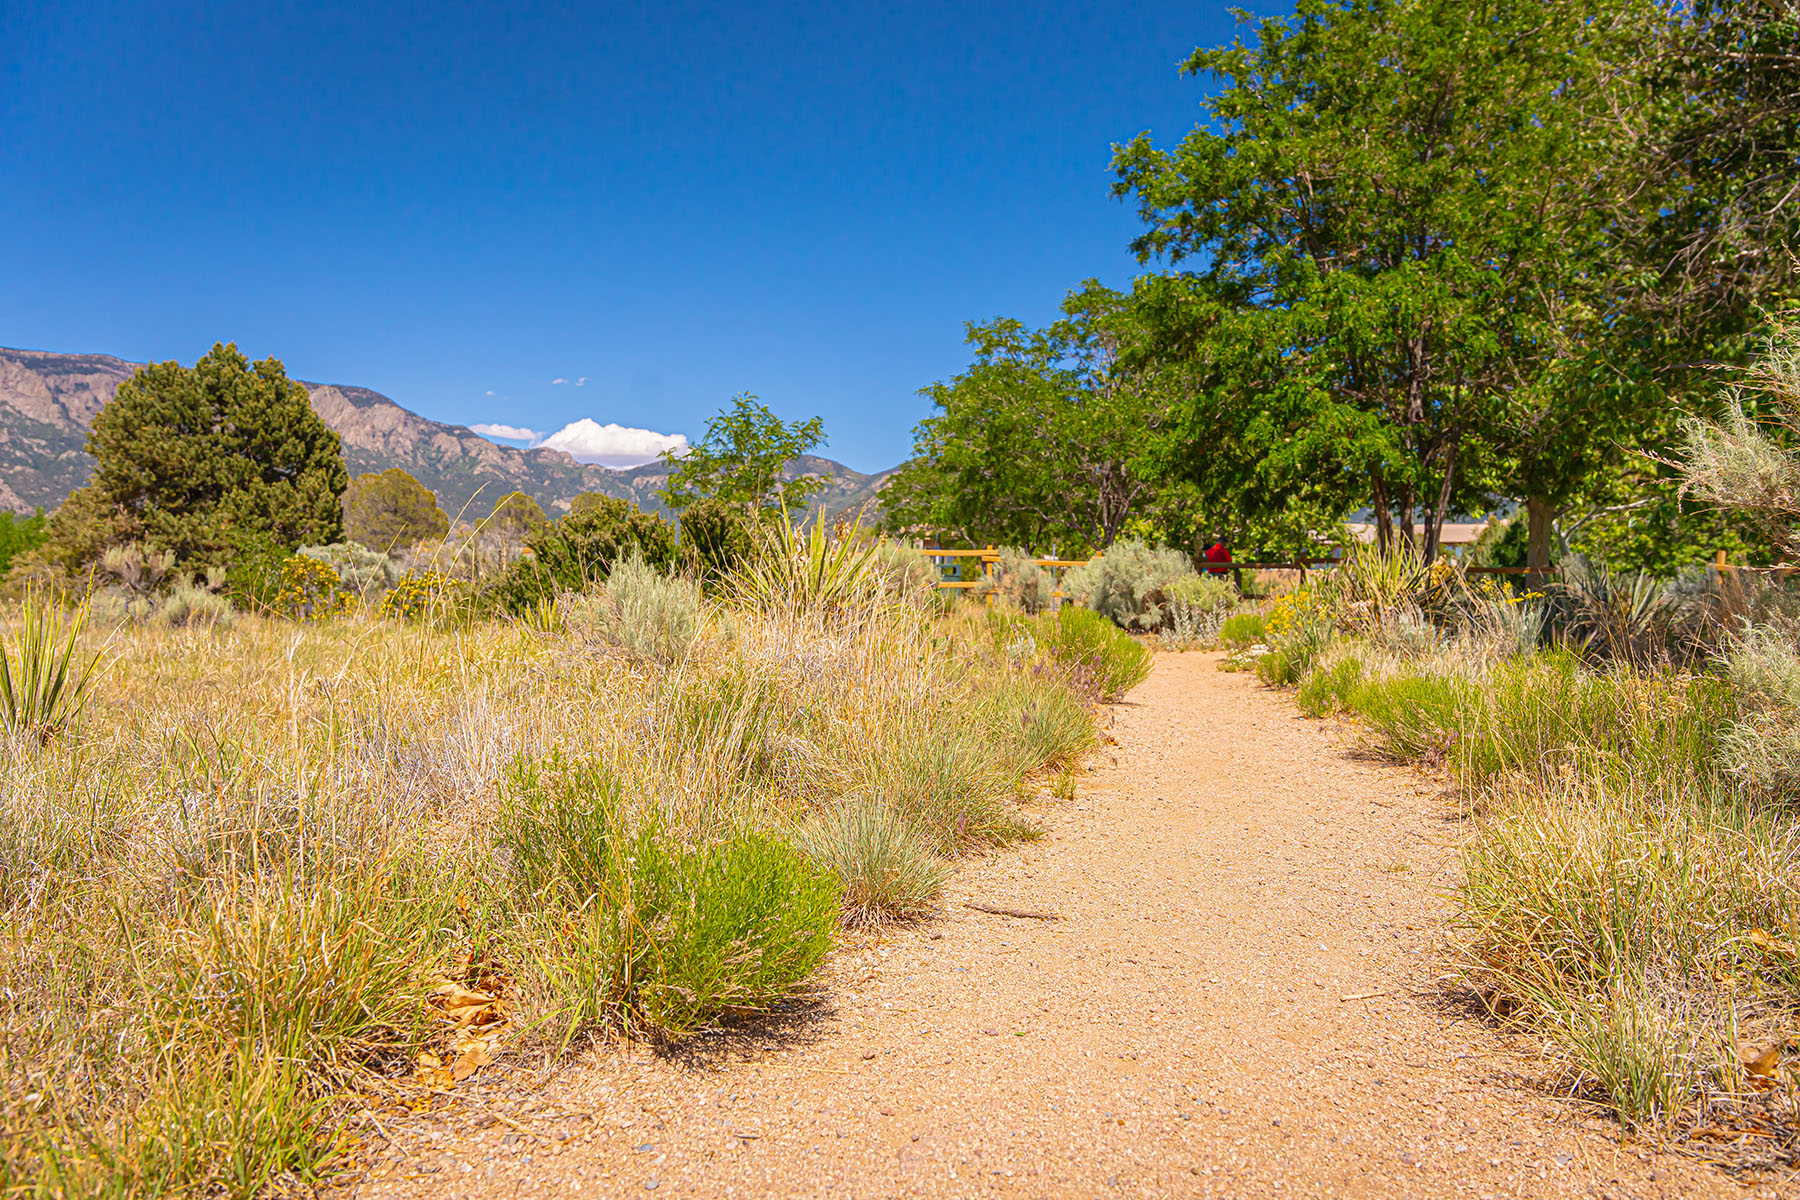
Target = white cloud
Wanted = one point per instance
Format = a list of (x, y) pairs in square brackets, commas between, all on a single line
[(582, 382), (490, 391), (557, 380), (510, 433), (613, 445)]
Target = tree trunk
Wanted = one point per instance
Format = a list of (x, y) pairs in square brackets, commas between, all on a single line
[(1434, 519), (1538, 515), (1384, 517)]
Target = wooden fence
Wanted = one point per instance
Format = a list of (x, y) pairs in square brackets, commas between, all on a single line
[(989, 555)]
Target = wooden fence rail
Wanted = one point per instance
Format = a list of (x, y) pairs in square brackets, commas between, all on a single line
[(989, 555)]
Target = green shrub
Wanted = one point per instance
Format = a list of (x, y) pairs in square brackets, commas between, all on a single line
[(645, 612), (188, 605), (715, 537), (577, 551), (1128, 583), (310, 591), (1242, 630), (1207, 593), (428, 596), (730, 927), (1297, 629), (641, 927), (1198, 607), (21, 535), (1017, 579), (359, 569), (886, 871), (1091, 644)]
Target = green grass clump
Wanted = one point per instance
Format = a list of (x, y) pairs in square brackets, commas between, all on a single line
[(1330, 689), (1413, 716), (1088, 642), (1242, 630), (638, 927), (1039, 728), (885, 870)]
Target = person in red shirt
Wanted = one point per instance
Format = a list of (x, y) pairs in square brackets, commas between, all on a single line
[(1217, 553)]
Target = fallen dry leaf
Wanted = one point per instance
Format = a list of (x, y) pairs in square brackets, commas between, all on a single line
[(453, 996), (1772, 945), (1761, 1062), (470, 1061)]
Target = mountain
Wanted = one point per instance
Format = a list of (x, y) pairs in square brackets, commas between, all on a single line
[(48, 400)]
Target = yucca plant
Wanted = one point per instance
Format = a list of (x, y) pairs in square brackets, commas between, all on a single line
[(1620, 616), (1373, 581), (796, 571), (48, 687)]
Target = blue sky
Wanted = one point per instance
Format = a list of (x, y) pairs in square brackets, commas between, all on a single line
[(457, 204)]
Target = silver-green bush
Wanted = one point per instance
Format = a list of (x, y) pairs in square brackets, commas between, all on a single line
[(1129, 582)]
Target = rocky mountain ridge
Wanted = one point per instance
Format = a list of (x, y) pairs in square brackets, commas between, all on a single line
[(47, 401)]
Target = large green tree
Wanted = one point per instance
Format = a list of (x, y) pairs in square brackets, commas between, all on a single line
[(388, 510), (1041, 442), (1692, 132), (1402, 192), (220, 461), (745, 459)]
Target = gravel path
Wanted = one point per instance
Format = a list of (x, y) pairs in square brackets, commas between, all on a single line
[(1241, 998)]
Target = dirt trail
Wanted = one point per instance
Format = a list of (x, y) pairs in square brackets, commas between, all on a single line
[(1239, 1000)]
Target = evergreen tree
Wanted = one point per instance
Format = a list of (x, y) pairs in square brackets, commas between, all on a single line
[(222, 462)]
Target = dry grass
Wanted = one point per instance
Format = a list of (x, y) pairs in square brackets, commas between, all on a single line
[(270, 858), (1625, 891)]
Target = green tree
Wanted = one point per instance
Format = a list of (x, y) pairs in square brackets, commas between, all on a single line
[(219, 462), (513, 520), (1689, 214), (1716, 140), (1394, 188), (1248, 450), (745, 459), (1040, 443), (20, 534), (388, 509)]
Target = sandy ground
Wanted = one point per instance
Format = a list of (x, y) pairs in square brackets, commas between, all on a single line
[(1244, 997)]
